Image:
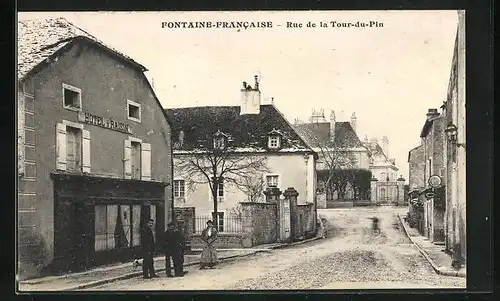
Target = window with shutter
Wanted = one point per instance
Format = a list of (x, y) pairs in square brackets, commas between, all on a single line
[(73, 149), (136, 160), (86, 151), (61, 146), (127, 156), (146, 162)]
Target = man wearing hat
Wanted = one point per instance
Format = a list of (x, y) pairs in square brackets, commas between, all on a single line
[(173, 244)]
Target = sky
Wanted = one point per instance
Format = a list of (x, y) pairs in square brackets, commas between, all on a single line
[(388, 75)]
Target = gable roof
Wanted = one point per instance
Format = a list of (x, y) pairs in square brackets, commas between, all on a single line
[(318, 134), (247, 132), (40, 39), (428, 125)]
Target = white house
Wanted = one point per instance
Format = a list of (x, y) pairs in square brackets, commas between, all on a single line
[(249, 132)]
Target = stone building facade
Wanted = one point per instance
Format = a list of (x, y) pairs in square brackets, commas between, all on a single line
[(455, 151), (96, 160)]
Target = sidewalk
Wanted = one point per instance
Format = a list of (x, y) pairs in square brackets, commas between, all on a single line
[(434, 254), (111, 273)]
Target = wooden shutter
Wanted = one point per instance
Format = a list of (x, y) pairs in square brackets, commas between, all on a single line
[(61, 146), (127, 157), (146, 162), (86, 151)]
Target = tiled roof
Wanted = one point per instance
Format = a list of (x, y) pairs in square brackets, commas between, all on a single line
[(318, 134), (199, 124), (41, 38), (428, 124)]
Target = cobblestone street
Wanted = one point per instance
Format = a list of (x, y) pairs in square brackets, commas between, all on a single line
[(350, 258)]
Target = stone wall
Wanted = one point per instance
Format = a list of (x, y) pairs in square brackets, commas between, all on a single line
[(305, 220), (185, 219), (260, 222)]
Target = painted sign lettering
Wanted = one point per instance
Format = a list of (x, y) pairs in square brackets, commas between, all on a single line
[(104, 122)]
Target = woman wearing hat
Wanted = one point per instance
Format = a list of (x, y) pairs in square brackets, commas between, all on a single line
[(209, 253)]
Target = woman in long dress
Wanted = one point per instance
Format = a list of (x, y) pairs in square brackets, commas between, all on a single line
[(209, 253)]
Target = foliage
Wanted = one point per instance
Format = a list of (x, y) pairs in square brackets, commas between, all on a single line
[(217, 164), (253, 186), (334, 159), (357, 179)]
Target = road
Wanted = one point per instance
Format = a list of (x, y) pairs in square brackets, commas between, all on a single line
[(351, 257)]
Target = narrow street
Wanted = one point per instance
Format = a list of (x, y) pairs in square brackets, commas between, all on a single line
[(350, 258)]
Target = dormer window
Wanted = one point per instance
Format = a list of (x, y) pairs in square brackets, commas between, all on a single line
[(220, 140), (274, 139)]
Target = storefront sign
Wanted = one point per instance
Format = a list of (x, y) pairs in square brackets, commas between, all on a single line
[(104, 122)]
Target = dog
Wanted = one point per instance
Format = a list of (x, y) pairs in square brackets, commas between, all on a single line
[(137, 263)]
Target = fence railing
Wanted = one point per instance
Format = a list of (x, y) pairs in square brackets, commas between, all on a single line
[(225, 225)]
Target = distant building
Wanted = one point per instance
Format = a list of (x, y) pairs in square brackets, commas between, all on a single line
[(387, 187), (334, 139), (433, 137), (251, 129), (442, 155), (95, 159), (416, 163)]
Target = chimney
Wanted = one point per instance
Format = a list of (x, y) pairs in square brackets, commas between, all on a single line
[(432, 113), (256, 86), (353, 121), (317, 116), (250, 98), (385, 146), (332, 126)]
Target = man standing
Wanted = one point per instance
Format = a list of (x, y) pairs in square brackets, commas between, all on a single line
[(173, 249), (148, 247)]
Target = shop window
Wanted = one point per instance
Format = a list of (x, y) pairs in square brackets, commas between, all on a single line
[(117, 226)]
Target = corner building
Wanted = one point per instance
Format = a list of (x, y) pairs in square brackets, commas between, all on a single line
[(94, 151)]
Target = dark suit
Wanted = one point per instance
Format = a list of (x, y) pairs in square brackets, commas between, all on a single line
[(147, 250), (173, 244)]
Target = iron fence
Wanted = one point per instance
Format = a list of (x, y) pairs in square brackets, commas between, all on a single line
[(225, 225)]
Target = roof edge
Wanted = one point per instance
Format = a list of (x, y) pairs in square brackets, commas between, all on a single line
[(293, 129), (71, 41)]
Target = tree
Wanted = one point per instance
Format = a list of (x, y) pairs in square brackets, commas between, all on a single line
[(359, 180), (253, 186), (333, 160), (219, 163)]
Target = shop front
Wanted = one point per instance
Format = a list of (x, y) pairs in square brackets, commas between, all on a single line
[(98, 220)]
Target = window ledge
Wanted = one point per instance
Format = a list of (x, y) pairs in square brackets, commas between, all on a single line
[(71, 108), (134, 119)]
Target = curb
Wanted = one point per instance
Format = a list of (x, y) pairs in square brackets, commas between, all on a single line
[(283, 246), (139, 273), (434, 266)]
